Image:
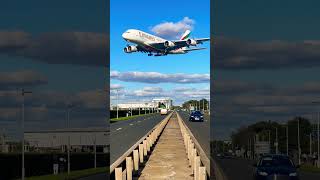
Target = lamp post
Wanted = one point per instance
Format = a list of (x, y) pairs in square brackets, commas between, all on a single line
[(299, 149), (203, 104), (277, 151), (117, 90), (23, 92), (95, 150), (287, 133), (69, 107), (318, 134)]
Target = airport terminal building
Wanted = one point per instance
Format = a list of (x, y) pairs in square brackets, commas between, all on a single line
[(153, 104)]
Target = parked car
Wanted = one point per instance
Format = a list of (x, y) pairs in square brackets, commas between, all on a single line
[(196, 116), (274, 166)]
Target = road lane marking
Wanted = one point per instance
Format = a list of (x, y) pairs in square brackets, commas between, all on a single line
[(118, 129), (131, 124)]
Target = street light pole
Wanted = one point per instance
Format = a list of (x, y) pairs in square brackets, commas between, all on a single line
[(117, 103), (69, 106), (318, 163), (95, 150), (277, 152), (23, 92), (310, 144), (203, 104), (68, 126), (299, 150), (287, 132), (318, 129)]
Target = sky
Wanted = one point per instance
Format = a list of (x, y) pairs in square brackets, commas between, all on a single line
[(140, 77), (266, 62), (56, 50)]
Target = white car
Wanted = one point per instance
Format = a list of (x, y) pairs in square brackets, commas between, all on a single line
[(163, 111)]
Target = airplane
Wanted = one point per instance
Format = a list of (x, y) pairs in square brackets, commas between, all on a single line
[(157, 46)]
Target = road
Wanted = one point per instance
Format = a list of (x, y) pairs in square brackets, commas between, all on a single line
[(201, 130), (235, 168), (102, 176), (124, 134)]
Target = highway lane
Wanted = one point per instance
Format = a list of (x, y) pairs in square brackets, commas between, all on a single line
[(201, 130), (124, 134), (102, 176), (237, 167)]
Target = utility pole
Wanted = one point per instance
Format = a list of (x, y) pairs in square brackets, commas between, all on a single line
[(23, 92)]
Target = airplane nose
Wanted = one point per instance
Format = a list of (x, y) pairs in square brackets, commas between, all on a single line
[(124, 36)]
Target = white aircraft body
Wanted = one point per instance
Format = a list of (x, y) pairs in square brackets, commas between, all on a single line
[(157, 46)]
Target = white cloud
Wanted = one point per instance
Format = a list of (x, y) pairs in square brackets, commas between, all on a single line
[(156, 77), (179, 94), (173, 29), (116, 86)]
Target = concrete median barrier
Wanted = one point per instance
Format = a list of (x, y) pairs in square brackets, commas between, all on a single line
[(128, 164), (198, 159)]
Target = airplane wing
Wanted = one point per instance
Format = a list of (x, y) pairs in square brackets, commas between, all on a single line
[(194, 49), (178, 44), (183, 43)]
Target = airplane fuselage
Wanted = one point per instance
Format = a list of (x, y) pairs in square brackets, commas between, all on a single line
[(145, 39)]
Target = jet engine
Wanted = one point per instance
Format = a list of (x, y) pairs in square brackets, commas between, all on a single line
[(168, 44), (191, 42), (130, 49)]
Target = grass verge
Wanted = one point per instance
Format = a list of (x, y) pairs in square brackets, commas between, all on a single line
[(309, 168), (73, 174), (113, 120)]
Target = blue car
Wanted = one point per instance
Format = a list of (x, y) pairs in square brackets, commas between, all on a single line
[(273, 166), (196, 116)]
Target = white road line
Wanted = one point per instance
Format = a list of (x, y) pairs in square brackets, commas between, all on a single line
[(139, 121), (118, 129), (131, 124)]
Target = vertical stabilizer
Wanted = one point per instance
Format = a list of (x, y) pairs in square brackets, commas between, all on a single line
[(185, 35)]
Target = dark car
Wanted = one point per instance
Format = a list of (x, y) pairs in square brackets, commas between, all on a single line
[(196, 116), (278, 167)]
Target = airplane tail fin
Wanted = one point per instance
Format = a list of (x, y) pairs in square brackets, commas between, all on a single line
[(185, 35)]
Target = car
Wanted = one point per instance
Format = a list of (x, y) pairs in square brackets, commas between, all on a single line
[(163, 112), (196, 116), (274, 166)]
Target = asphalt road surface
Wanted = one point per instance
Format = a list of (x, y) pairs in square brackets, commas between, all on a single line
[(236, 167), (201, 130), (103, 176), (124, 134)]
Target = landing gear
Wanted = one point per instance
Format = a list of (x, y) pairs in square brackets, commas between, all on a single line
[(150, 54)]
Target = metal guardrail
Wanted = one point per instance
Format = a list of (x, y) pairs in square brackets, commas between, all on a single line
[(198, 159), (128, 163)]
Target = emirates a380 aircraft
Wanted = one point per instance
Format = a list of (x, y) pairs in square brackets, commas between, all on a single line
[(157, 46)]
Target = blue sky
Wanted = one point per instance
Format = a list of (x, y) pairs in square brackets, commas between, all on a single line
[(144, 15)]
